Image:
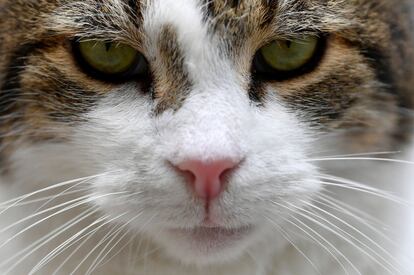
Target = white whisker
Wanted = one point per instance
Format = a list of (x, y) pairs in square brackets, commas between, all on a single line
[(96, 265), (289, 239), (320, 237), (321, 244), (355, 186), (46, 239), (329, 225), (34, 201), (350, 211), (101, 256), (86, 238), (62, 193), (358, 155), (110, 236), (115, 230), (72, 204), (362, 159), (69, 242), (14, 201)]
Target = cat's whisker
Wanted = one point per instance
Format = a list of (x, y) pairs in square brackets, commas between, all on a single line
[(113, 232), (325, 202), (102, 255), (341, 233), (111, 237), (329, 180), (399, 161), (350, 182), (289, 239), (365, 223), (71, 205), (42, 199), (352, 212), (335, 205), (46, 239), (86, 237), (369, 154), (63, 193), (97, 261), (49, 188), (382, 195), (129, 243), (319, 240), (71, 241), (295, 211), (134, 194), (96, 265), (349, 241)]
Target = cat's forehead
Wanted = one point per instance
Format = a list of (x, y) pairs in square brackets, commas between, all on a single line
[(238, 17), (232, 20)]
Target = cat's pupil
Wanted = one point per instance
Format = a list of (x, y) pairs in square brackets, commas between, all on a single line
[(108, 46), (288, 44)]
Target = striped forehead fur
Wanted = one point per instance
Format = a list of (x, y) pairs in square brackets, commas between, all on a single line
[(116, 20)]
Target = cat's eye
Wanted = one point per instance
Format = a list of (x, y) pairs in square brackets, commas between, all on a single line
[(282, 59), (110, 61)]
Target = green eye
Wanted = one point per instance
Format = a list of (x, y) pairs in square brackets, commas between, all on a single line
[(283, 58), (110, 60)]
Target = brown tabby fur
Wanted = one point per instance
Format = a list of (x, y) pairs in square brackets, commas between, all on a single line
[(363, 82)]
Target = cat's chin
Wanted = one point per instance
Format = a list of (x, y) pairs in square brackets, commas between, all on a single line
[(205, 245), (212, 238)]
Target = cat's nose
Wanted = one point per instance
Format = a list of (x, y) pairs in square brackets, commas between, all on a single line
[(207, 179)]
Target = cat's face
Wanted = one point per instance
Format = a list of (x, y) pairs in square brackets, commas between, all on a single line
[(203, 150)]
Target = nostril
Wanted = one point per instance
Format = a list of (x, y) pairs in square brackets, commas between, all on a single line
[(188, 175), (207, 179), (226, 174)]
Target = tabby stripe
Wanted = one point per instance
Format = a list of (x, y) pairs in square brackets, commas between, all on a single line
[(384, 74), (271, 8), (235, 3), (172, 84), (210, 9), (10, 89), (134, 12), (380, 65), (69, 99), (256, 90)]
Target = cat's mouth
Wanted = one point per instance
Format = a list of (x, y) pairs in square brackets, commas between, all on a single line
[(212, 238)]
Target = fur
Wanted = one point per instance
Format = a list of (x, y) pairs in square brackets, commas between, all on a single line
[(118, 144)]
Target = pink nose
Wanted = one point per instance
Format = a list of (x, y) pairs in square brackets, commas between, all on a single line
[(207, 178)]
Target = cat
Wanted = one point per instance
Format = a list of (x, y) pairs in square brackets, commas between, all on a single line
[(265, 137)]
